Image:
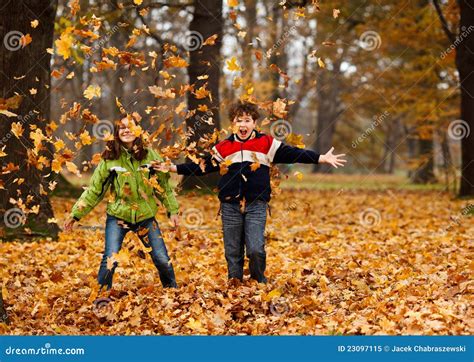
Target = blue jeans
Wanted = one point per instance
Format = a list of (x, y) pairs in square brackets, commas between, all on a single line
[(115, 231), (245, 230)]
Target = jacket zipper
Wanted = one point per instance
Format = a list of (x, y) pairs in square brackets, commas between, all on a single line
[(241, 163)]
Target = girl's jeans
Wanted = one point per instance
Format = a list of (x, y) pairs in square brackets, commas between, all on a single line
[(245, 230), (150, 234)]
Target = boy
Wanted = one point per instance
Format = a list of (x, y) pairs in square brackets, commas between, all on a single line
[(241, 185)]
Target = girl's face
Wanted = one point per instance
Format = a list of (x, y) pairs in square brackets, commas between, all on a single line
[(125, 134), (244, 124)]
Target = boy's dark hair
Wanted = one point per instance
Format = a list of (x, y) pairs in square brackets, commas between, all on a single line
[(240, 108)]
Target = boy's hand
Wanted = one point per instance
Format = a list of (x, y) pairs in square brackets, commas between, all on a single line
[(333, 160), (163, 166)]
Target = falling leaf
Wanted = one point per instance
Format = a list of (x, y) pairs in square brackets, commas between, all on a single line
[(92, 91), (7, 113), (64, 44), (232, 65)]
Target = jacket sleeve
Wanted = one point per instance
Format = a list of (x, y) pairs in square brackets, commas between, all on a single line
[(283, 153), (211, 164), (167, 197), (95, 192)]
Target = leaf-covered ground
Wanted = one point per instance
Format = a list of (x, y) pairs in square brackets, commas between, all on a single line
[(339, 261)]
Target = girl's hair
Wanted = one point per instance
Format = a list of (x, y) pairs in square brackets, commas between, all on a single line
[(113, 148), (240, 108)]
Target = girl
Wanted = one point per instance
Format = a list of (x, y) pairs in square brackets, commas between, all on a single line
[(125, 168)]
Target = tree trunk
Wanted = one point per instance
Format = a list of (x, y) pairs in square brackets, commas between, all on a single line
[(328, 112), (33, 62), (424, 173), (207, 21), (465, 65), (3, 312), (247, 49)]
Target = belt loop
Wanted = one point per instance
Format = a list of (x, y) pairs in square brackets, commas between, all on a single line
[(269, 210)]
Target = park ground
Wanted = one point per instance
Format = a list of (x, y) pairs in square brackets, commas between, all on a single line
[(346, 255)]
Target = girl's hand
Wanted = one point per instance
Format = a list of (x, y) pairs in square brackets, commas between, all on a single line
[(334, 160), (175, 220), (163, 166), (68, 225)]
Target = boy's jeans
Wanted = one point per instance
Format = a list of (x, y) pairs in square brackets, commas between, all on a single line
[(245, 229), (115, 231)]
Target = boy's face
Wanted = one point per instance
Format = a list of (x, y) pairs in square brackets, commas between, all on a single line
[(244, 124)]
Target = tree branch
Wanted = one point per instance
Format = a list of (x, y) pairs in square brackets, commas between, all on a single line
[(444, 23)]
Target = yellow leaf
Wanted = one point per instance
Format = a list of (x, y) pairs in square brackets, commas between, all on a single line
[(232, 3), (59, 145), (64, 43), (232, 65), (176, 62), (8, 113), (85, 138), (17, 129), (299, 175), (202, 92), (56, 166), (138, 2), (159, 92), (92, 91), (275, 293), (321, 63)]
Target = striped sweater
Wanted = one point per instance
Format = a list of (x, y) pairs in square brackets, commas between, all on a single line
[(240, 181)]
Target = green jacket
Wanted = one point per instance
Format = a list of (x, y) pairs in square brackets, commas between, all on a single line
[(132, 185)]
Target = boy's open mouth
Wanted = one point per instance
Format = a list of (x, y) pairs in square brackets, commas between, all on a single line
[(243, 132)]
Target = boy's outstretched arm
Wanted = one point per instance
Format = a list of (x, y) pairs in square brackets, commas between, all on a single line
[(288, 154)]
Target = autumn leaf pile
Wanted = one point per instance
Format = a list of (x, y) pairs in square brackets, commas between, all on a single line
[(404, 269)]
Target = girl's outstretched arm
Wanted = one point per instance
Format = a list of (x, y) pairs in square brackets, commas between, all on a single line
[(94, 193)]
